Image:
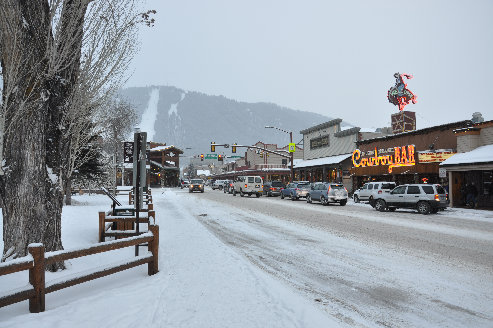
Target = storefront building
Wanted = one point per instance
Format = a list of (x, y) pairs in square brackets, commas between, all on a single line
[(472, 165), (327, 153), (409, 157)]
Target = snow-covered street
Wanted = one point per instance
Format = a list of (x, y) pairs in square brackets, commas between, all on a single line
[(244, 262)]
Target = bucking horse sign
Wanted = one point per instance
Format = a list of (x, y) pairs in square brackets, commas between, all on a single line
[(400, 95)]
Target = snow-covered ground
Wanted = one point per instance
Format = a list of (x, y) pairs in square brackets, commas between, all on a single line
[(202, 282)]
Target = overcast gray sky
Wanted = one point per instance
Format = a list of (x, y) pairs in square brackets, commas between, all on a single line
[(335, 58)]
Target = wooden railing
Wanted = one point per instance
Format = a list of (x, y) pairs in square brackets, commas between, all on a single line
[(37, 261), (125, 224)]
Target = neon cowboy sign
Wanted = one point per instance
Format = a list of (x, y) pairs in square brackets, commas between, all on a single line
[(402, 156)]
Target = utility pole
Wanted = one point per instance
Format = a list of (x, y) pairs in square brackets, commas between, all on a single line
[(292, 156)]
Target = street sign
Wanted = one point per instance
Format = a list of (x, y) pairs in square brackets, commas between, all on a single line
[(442, 172), (128, 152), (292, 147), (211, 156)]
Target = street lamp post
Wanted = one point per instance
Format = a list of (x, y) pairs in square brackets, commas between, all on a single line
[(290, 141)]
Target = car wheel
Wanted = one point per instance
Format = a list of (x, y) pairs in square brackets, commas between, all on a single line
[(392, 209), (308, 199), (293, 198), (234, 192), (282, 196), (356, 198), (323, 201), (189, 190), (201, 191), (258, 195), (424, 207), (343, 202), (380, 205), (242, 194), (371, 201)]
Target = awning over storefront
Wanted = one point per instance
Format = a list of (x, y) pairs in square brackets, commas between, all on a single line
[(322, 161), (482, 155)]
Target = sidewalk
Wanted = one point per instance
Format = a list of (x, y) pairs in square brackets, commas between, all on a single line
[(202, 283)]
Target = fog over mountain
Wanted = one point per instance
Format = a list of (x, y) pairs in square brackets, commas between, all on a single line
[(192, 119)]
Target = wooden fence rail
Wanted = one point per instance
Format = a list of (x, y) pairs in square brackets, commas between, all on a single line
[(37, 261), (124, 224)]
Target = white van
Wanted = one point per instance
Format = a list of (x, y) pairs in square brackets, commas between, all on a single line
[(248, 185)]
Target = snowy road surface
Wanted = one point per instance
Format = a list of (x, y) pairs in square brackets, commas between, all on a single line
[(364, 267), (245, 262)]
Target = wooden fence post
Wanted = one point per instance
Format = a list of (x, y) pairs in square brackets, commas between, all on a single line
[(102, 226), (153, 214), (153, 246), (37, 278)]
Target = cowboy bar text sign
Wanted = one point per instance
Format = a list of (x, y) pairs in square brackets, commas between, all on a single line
[(402, 156)]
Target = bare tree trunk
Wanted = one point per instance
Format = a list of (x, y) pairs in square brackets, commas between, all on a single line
[(39, 77), (25, 185), (68, 191)]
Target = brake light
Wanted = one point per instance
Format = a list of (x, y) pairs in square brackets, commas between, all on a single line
[(328, 190), (272, 188), (437, 198), (296, 189), (446, 196), (379, 192), (246, 186), (345, 189)]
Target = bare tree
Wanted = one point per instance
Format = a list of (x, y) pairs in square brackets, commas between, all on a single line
[(119, 119), (56, 74)]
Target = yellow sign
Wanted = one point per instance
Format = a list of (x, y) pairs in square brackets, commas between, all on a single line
[(292, 147), (433, 157), (403, 156)]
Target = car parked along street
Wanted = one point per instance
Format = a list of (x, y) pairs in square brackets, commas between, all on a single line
[(425, 198), (326, 193)]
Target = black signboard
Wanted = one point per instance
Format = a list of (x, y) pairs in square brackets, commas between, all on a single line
[(128, 152)]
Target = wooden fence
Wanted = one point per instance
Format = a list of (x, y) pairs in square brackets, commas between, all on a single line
[(124, 224), (38, 260)]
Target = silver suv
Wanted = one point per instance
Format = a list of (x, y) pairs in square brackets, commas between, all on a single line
[(326, 193), (425, 198), (371, 190)]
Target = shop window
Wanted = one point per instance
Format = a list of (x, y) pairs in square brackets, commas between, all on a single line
[(488, 183)]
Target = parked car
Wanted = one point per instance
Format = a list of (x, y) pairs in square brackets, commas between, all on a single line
[(184, 184), (273, 188), (296, 190), (228, 187), (218, 184), (371, 190), (196, 185), (425, 198), (248, 185), (325, 193)]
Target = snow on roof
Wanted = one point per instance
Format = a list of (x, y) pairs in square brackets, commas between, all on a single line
[(322, 161), (162, 148), (204, 172), (481, 154)]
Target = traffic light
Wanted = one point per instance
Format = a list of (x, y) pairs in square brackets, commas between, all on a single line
[(201, 157), (220, 158), (213, 147), (233, 148)]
